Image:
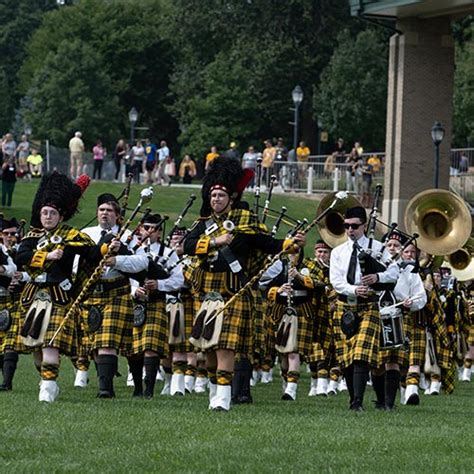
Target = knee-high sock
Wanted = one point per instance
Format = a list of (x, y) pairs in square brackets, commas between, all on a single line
[(392, 382), (152, 365), (378, 384), (349, 376), (135, 365), (9, 367), (361, 375)]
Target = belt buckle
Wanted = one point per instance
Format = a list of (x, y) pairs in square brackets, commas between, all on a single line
[(352, 300)]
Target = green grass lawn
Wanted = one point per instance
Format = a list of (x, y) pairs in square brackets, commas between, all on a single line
[(80, 433)]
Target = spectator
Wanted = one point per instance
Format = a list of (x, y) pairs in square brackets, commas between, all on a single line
[(35, 163), (163, 155), (170, 169), (8, 147), (99, 153), (375, 162), (281, 152), (249, 161), (366, 172), (351, 165), (150, 164), (232, 152), (76, 148), (8, 178), (302, 155), (119, 156), (340, 150), (330, 165), (138, 155), (23, 151), (211, 156), (463, 163), (268, 157), (187, 169)]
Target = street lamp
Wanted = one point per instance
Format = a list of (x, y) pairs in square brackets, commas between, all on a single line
[(132, 117), (297, 96), (437, 135)]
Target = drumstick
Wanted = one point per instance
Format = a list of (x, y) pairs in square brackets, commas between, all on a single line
[(413, 298)]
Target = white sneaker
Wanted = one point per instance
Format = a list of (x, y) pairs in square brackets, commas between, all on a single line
[(459, 371), (82, 379), (402, 396), (411, 395), (201, 384), (254, 379), (466, 374), (177, 384), (189, 381), (167, 386), (130, 380), (435, 387), (342, 387), (322, 387), (313, 387), (424, 385), (49, 391), (332, 387), (221, 400), (290, 391)]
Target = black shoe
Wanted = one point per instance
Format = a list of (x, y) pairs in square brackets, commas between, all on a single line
[(388, 408), (148, 394), (105, 394), (219, 409), (288, 397), (413, 400), (137, 393), (379, 405), (5, 388), (245, 399), (356, 406)]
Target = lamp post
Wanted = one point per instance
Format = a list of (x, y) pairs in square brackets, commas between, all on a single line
[(132, 117), (437, 135), (297, 96)]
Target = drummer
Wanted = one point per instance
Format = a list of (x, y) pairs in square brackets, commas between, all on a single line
[(410, 292)]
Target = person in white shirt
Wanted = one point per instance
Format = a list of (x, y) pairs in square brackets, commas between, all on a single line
[(357, 319), (163, 156), (76, 148), (108, 314)]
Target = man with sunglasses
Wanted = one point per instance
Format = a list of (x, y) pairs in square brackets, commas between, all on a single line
[(357, 319)]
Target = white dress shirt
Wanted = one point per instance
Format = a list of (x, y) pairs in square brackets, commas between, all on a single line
[(124, 263), (340, 260), (9, 267), (410, 285), (176, 279)]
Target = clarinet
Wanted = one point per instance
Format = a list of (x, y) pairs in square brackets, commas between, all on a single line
[(177, 223), (258, 182), (269, 197)]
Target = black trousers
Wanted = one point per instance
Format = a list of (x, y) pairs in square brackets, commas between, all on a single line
[(97, 168)]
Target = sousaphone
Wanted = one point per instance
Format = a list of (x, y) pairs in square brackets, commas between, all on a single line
[(461, 262), (331, 228), (442, 220)]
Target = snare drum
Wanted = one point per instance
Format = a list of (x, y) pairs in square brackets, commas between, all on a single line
[(392, 333)]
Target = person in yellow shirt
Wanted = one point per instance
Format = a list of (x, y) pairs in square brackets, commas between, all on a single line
[(302, 155), (35, 164), (268, 157), (210, 157), (187, 169), (375, 162)]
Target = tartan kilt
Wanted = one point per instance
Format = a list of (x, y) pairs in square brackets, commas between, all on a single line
[(364, 346), (237, 327), (67, 339), (470, 337), (306, 323), (323, 334), (11, 339), (417, 344), (153, 335), (399, 355), (188, 306), (259, 323), (115, 331)]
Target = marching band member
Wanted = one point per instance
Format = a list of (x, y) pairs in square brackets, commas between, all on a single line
[(469, 356), (230, 244), (108, 310), (150, 331), (47, 253), (409, 290), (9, 303), (357, 315)]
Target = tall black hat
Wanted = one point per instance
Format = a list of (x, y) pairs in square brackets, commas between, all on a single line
[(226, 174), (8, 224), (106, 197)]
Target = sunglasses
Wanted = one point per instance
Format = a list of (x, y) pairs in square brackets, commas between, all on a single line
[(150, 227), (9, 233), (352, 226)]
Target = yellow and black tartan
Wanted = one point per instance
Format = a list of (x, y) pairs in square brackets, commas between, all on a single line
[(237, 325), (306, 320), (153, 335), (397, 355), (11, 339), (188, 306), (116, 309), (364, 346), (259, 324)]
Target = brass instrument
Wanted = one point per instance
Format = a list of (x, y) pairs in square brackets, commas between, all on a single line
[(462, 258), (331, 228), (442, 220)]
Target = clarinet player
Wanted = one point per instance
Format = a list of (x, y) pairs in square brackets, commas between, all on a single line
[(357, 319)]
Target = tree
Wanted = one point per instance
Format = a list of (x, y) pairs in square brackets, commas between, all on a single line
[(351, 99), (72, 92)]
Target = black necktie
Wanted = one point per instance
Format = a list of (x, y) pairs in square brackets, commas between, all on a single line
[(351, 272)]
